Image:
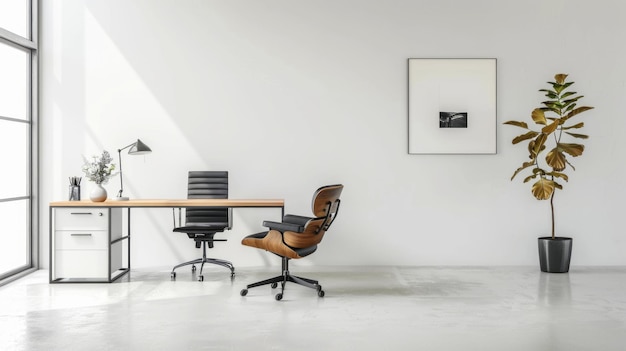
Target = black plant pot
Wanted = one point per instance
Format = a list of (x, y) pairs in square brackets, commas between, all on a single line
[(555, 254)]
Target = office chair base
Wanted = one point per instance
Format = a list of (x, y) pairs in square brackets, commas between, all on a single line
[(202, 261), (283, 279)]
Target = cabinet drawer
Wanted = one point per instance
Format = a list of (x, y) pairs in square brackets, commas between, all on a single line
[(81, 218), (81, 264), (81, 240)]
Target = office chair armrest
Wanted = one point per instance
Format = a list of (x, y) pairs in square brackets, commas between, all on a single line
[(282, 227), (295, 219)]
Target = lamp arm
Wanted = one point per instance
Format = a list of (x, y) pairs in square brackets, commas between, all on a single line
[(119, 157), (126, 147), (138, 148)]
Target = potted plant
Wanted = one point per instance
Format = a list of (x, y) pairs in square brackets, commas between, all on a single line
[(99, 170), (554, 122)]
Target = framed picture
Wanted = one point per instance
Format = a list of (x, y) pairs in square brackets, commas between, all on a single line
[(452, 106)]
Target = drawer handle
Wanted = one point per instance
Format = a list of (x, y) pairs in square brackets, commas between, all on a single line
[(81, 213), (80, 234)]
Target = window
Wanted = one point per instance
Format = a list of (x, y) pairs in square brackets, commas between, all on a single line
[(18, 136)]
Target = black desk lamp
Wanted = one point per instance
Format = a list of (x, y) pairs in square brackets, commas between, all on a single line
[(138, 148)]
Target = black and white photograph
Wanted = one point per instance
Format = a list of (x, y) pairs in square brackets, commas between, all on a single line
[(452, 119)]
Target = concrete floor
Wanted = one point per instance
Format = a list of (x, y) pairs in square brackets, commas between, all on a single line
[(374, 308)]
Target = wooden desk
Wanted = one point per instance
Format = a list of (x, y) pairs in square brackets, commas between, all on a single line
[(174, 203), (86, 237)]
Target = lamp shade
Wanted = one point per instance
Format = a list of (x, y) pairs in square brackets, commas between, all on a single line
[(136, 148), (139, 148)]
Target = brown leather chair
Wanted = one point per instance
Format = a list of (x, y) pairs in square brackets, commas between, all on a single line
[(296, 237)]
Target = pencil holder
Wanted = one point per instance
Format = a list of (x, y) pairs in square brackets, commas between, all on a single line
[(74, 193)]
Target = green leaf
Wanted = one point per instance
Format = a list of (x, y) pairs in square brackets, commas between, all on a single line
[(550, 94), (546, 109), (569, 93), (560, 87), (553, 105), (569, 102), (547, 91)]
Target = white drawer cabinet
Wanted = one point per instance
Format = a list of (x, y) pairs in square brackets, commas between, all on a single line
[(81, 218), (86, 244), (81, 239), (81, 264)]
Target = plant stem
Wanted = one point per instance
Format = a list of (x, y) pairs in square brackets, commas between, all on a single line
[(557, 139), (552, 208)]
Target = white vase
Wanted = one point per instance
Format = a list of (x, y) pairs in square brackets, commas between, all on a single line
[(98, 193)]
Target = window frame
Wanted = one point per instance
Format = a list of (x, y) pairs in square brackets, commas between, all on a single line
[(30, 45)]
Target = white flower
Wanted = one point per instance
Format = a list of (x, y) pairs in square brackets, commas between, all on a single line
[(100, 168)]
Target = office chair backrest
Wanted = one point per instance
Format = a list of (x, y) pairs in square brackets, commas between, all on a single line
[(207, 185), (326, 200), (325, 206)]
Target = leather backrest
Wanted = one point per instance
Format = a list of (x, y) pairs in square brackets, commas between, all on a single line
[(325, 206), (207, 185), (323, 196)]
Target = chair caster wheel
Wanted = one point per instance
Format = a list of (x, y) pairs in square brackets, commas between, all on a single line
[(173, 275), (200, 278), (274, 285), (321, 293), (279, 296), (243, 292), (193, 268)]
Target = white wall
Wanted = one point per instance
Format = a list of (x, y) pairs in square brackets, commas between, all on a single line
[(290, 95)]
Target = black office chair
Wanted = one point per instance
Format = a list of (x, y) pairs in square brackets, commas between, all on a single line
[(202, 223), (296, 237)]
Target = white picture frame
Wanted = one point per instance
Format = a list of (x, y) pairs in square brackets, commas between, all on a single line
[(452, 106)]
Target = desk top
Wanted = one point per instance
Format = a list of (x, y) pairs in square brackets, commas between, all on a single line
[(174, 203)]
